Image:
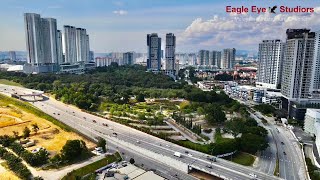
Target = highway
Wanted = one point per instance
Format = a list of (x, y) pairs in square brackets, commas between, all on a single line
[(92, 126), (284, 147)]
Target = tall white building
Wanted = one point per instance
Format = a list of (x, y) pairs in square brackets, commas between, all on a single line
[(215, 58), (298, 63), (59, 47), (128, 58), (228, 58), (41, 39), (270, 59), (49, 35), (315, 79), (81, 44), (12, 55), (87, 49), (170, 52), (34, 38), (154, 52), (70, 48), (203, 57)]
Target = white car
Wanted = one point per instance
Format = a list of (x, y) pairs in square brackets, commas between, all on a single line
[(254, 176), (190, 155)]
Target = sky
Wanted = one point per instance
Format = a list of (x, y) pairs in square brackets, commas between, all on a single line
[(122, 25)]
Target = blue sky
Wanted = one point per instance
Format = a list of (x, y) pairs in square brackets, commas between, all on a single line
[(122, 25)]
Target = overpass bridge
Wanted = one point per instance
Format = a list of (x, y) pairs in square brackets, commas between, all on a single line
[(22, 93)]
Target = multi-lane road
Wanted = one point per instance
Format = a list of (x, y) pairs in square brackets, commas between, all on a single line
[(285, 148), (92, 126)]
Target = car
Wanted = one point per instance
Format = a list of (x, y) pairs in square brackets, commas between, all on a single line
[(114, 134), (84, 117), (94, 121), (58, 113), (138, 142), (187, 152), (284, 153), (214, 159), (282, 143), (167, 145), (190, 155), (54, 113), (253, 175), (104, 124), (209, 166)]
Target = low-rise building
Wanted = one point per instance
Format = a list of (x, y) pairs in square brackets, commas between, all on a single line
[(312, 124)]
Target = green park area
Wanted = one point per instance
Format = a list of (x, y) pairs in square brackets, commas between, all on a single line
[(146, 101)]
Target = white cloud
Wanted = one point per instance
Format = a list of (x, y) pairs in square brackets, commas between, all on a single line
[(244, 31), (120, 12)]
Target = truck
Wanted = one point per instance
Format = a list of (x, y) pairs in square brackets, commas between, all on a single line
[(177, 154)]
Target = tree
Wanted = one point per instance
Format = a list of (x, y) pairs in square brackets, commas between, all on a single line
[(131, 161), (102, 143), (140, 97), (15, 134), (234, 126), (223, 77), (214, 114), (73, 149), (26, 132), (252, 143), (5, 140), (35, 128), (265, 108)]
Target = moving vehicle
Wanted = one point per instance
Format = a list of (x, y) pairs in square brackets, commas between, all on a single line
[(94, 121), (214, 159), (177, 154), (254, 176), (209, 166), (114, 134)]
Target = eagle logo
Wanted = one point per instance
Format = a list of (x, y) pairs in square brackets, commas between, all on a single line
[(272, 10)]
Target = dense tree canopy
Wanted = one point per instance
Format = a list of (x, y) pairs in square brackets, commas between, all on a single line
[(214, 114), (73, 149)]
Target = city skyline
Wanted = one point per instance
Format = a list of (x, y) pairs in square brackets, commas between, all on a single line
[(114, 22)]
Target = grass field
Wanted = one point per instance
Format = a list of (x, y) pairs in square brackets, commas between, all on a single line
[(89, 169), (242, 158), (11, 83), (7, 174), (50, 135)]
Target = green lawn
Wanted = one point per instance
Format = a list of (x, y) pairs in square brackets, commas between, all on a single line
[(89, 169), (11, 83), (242, 158)]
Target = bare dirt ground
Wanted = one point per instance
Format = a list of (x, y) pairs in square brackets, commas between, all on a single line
[(49, 135)]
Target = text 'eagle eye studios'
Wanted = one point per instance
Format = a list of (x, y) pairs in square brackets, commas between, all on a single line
[(160, 89)]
